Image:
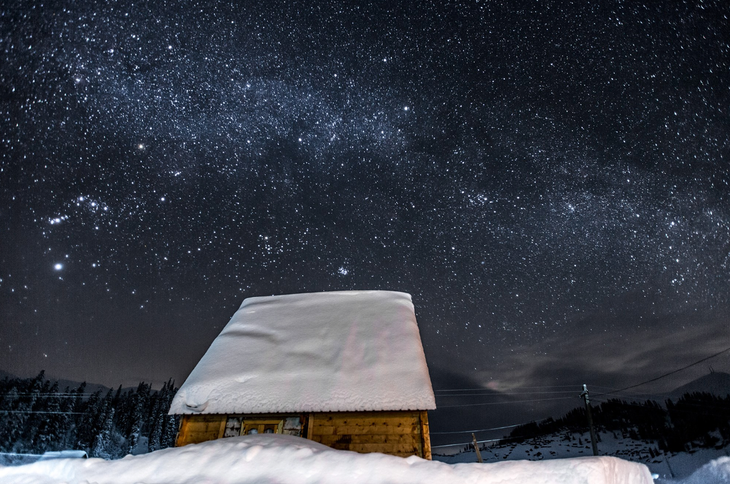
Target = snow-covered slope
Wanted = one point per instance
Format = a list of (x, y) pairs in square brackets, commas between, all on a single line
[(285, 459), (668, 467), (714, 472)]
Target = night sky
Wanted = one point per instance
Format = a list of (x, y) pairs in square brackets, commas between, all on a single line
[(550, 181)]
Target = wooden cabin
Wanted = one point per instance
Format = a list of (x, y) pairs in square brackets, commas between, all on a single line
[(345, 369)]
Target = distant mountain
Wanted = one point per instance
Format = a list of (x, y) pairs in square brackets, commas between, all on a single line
[(63, 383), (717, 383), (5, 374), (72, 385)]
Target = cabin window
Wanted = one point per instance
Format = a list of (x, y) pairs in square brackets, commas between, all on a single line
[(238, 425), (233, 427), (292, 426), (261, 427)]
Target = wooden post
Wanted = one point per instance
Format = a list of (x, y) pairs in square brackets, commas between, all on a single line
[(222, 428), (182, 431), (425, 435), (476, 447), (310, 426), (590, 418)]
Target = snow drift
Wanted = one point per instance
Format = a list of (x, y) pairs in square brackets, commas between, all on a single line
[(714, 472), (285, 459)]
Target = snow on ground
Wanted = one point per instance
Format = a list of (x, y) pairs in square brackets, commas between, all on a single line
[(284, 459), (668, 468), (714, 472)]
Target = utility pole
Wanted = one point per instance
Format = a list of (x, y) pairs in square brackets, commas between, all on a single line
[(587, 400), (476, 447)]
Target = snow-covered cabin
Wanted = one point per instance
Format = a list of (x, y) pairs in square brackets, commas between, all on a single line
[(345, 369)]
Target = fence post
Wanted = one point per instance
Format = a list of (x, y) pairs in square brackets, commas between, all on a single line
[(476, 447)]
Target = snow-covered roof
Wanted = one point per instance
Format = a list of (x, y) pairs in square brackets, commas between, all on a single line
[(317, 352)]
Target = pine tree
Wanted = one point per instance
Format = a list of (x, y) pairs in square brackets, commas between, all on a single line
[(171, 426), (162, 424), (12, 420), (34, 406), (137, 419), (86, 430), (170, 422), (52, 427), (156, 427), (103, 441)]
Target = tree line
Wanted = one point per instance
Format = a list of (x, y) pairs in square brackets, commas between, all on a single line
[(37, 417), (695, 420)]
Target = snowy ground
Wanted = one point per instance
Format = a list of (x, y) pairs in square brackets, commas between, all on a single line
[(666, 467), (285, 459)]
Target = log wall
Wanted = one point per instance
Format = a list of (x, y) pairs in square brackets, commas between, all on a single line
[(396, 433), (200, 428)]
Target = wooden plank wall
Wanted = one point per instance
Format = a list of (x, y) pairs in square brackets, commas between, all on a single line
[(425, 435), (200, 428), (394, 433)]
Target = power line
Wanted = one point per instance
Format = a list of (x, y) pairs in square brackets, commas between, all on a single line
[(478, 442), (506, 403), (41, 411), (479, 430), (482, 388), (637, 396), (49, 395), (467, 443), (664, 375), (492, 392)]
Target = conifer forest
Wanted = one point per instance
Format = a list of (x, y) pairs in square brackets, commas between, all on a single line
[(693, 421), (37, 416)]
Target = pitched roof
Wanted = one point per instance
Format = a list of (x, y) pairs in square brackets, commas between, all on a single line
[(317, 352)]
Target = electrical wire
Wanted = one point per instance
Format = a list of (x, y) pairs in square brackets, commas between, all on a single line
[(664, 375), (482, 388), (51, 395), (496, 394), (479, 430), (42, 411), (506, 403), (478, 442)]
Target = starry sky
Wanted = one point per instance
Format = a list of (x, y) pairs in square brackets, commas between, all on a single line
[(549, 180)]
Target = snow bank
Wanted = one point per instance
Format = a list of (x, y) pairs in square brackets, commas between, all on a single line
[(317, 352), (284, 459), (714, 472)]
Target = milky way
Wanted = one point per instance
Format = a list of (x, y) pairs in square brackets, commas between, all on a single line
[(550, 182)]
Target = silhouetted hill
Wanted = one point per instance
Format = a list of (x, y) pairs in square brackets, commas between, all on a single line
[(5, 374), (72, 385), (63, 383), (717, 383)]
